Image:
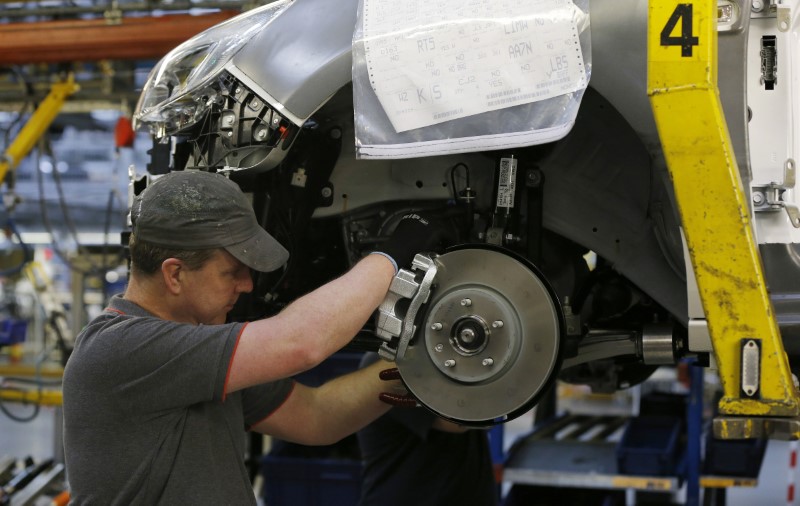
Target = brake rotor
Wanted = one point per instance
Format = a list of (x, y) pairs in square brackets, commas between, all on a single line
[(488, 343)]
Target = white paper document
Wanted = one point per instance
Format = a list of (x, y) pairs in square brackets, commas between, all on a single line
[(432, 61)]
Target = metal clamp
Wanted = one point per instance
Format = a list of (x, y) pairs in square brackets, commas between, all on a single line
[(395, 322)]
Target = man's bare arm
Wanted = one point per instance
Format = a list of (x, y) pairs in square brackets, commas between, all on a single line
[(340, 407), (311, 328)]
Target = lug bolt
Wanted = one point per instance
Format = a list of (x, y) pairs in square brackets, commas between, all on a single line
[(436, 326), (449, 363), (466, 302), (498, 324), (487, 362), (439, 347)]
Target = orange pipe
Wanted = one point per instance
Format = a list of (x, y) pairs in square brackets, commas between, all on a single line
[(61, 499), (133, 38)]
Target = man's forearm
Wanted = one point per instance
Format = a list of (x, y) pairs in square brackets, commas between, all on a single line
[(311, 328), (333, 411)]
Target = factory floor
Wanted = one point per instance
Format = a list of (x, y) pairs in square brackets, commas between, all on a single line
[(36, 438), (772, 487)]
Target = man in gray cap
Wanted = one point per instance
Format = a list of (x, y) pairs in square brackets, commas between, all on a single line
[(159, 389)]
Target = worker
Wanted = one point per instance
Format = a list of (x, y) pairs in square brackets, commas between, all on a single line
[(411, 456), (159, 389)]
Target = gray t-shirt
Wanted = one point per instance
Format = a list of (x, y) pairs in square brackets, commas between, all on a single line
[(146, 420)]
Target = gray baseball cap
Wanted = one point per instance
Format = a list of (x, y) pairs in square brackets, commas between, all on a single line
[(194, 210)]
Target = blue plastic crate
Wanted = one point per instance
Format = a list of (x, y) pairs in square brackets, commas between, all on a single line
[(336, 365), (290, 481), (299, 475), (12, 331), (734, 457), (650, 446), (527, 495)]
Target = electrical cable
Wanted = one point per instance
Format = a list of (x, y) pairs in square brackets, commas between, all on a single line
[(93, 267), (62, 203), (26, 250), (46, 217), (106, 232), (453, 178), (17, 418)]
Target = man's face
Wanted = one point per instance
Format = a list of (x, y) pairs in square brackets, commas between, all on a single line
[(211, 292)]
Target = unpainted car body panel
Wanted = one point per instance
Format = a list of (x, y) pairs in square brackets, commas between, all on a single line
[(304, 57)]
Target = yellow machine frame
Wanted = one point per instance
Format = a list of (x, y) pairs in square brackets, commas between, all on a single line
[(36, 126), (760, 398)]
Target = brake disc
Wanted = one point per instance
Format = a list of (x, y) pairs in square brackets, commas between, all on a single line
[(487, 345)]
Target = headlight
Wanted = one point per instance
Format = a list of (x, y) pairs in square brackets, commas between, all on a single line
[(178, 92)]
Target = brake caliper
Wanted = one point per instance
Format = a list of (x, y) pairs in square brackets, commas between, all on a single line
[(396, 316)]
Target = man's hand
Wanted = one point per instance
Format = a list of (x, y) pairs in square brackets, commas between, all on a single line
[(415, 233), (399, 396)]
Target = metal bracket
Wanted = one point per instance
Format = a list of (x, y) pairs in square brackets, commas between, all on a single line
[(720, 238), (738, 427), (113, 15), (394, 324), (784, 17), (751, 368), (769, 198)]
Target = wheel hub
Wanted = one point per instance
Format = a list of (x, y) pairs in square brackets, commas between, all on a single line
[(466, 347), (489, 340)]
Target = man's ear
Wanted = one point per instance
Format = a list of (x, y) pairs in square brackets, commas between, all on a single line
[(171, 271)]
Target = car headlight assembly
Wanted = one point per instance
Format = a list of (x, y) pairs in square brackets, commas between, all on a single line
[(180, 88)]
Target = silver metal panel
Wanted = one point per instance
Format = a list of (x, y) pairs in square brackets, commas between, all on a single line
[(619, 61), (304, 56)]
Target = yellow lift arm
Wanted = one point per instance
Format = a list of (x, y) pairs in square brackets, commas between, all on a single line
[(36, 126), (760, 398), (43, 397)]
